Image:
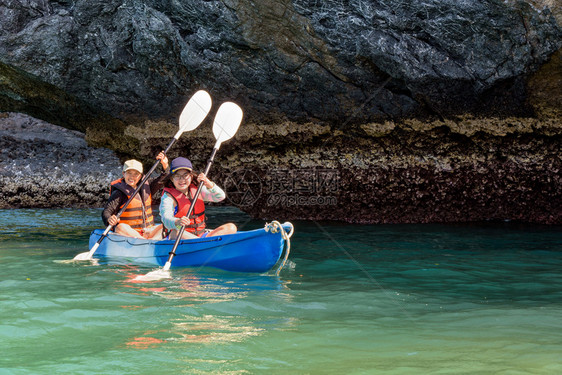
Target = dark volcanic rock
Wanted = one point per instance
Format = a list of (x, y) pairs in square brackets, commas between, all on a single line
[(23, 92), (364, 111), (299, 60)]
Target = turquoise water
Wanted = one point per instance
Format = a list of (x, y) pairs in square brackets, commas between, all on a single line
[(405, 299)]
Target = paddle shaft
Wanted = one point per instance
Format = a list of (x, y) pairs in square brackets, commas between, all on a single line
[(141, 183), (189, 211)]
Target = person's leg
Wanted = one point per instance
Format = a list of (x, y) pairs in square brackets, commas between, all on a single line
[(186, 235), (228, 228), (154, 233), (126, 230)]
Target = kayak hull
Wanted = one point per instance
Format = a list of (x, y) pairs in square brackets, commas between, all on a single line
[(247, 251)]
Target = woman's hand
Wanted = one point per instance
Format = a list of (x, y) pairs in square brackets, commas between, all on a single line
[(163, 160), (113, 220), (203, 179), (182, 221)]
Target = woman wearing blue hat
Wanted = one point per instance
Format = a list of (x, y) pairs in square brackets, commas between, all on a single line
[(178, 196)]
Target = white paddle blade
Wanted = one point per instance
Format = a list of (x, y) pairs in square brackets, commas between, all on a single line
[(89, 255), (83, 256), (155, 275), (227, 121), (195, 111)]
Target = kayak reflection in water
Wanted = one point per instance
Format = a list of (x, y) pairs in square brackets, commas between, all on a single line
[(176, 200), (137, 220)]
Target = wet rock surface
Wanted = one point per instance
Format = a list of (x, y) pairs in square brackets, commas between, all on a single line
[(397, 172), (44, 165)]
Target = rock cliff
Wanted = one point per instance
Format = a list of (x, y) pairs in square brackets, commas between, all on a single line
[(363, 111)]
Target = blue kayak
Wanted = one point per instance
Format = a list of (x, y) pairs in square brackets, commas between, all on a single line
[(247, 251)]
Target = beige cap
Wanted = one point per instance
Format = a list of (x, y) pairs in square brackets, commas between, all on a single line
[(132, 164)]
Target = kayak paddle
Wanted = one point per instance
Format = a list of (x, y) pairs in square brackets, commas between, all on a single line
[(191, 117), (225, 126)]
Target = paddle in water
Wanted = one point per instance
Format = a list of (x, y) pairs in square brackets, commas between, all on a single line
[(191, 117), (226, 124)]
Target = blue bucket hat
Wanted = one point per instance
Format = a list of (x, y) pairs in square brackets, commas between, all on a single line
[(180, 163)]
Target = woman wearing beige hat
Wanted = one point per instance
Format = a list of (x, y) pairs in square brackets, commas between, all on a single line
[(137, 220)]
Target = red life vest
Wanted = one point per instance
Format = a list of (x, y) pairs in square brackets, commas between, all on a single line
[(197, 219), (138, 213)]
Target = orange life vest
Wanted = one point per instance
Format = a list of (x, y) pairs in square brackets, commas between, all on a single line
[(138, 213), (197, 219)]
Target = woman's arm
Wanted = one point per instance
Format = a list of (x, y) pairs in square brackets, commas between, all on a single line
[(158, 182), (210, 191), (167, 208), (112, 205), (214, 194)]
